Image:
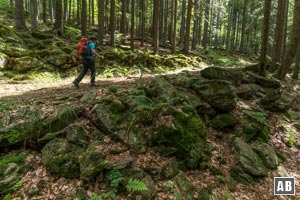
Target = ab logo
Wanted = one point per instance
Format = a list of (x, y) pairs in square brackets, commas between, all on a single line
[(284, 186)]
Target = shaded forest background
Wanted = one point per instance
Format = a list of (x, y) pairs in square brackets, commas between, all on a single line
[(268, 30)]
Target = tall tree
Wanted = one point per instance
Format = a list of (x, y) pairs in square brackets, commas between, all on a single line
[(66, 10), (132, 25), (44, 5), (206, 24), (34, 12), (51, 9), (278, 35), (182, 25), (143, 22), (293, 44), (101, 10), (196, 25), (123, 18), (112, 22), (265, 34), (84, 18), (188, 27), (156, 25), (175, 3), (20, 17), (297, 64)]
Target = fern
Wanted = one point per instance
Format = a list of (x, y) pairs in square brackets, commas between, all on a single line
[(258, 116), (115, 177), (134, 185)]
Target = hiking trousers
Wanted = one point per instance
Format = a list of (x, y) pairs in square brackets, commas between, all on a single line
[(88, 64)]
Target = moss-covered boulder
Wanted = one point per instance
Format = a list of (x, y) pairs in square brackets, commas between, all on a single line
[(218, 94), (25, 64), (184, 136), (255, 131), (185, 186), (116, 120), (267, 155), (92, 162), (170, 169), (141, 175), (240, 176), (220, 73), (76, 134), (61, 158), (224, 121), (247, 91), (40, 35), (275, 103), (12, 169), (248, 159), (162, 88), (263, 81)]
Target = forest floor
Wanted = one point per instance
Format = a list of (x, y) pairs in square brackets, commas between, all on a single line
[(55, 187)]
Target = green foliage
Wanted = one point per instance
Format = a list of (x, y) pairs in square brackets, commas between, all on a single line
[(113, 88), (46, 77), (289, 137), (12, 158), (95, 197), (8, 105), (170, 185), (257, 115), (134, 185), (115, 177)]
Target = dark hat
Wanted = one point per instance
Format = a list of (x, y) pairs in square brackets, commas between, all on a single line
[(93, 37)]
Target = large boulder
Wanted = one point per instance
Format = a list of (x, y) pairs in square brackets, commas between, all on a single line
[(217, 93), (40, 35), (224, 121), (184, 136), (92, 162), (263, 81), (25, 64), (267, 154), (275, 102), (220, 73), (248, 159), (116, 120), (61, 158)]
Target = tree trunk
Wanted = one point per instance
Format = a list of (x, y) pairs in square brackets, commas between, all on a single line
[(20, 17), (297, 64), (123, 18), (206, 20), (188, 27), (244, 23), (34, 14), (196, 23), (278, 36), (284, 35), (78, 12), (112, 22), (293, 44), (265, 34), (58, 26), (66, 10), (70, 12), (101, 10), (143, 23), (174, 26), (93, 13), (156, 25), (44, 11), (182, 27), (84, 18), (132, 26)]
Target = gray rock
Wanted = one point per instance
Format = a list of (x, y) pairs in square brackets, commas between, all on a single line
[(267, 155), (224, 121), (218, 94), (229, 74), (263, 81), (248, 159), (170, 169), (186, 188)]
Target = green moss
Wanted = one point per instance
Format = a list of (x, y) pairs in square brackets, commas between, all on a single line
[(12, 158), (113, 88), (240, 176), (224, 121)]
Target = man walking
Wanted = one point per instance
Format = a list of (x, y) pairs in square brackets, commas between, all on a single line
[(88, 62)]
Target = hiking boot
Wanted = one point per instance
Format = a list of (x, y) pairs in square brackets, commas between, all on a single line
[(93, 85), (76, 84)]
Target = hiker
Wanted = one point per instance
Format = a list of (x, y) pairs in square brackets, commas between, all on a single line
[(88, 62)]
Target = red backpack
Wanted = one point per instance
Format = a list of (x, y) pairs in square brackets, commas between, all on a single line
[(82, 47)]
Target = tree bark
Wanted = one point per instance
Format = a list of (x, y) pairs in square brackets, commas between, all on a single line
[(188, 27), (265, 34), (34, 14), (143, 22), (293, 44), (174, 26), (297, 64), (156, 25), (101, 10), (196, 24), (123, 18), (112, 22), (206, 20), (132, 26), (84, 18), (20, 17)]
